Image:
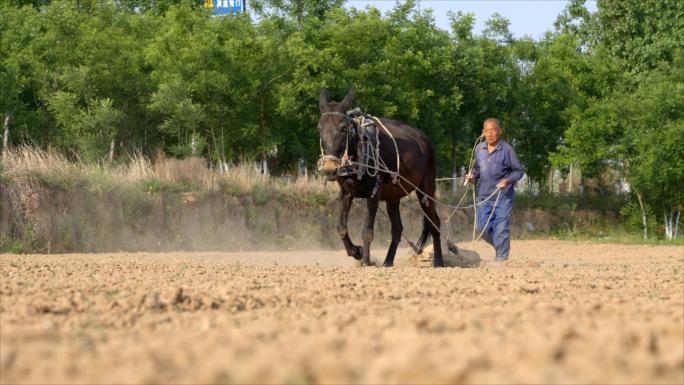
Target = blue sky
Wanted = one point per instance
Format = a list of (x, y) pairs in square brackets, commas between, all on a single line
[(527, 17)]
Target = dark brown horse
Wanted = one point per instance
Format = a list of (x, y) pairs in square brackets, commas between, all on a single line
[(417, 167)]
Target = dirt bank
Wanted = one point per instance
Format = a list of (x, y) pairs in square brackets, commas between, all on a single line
[(49, 219), (559, 312)]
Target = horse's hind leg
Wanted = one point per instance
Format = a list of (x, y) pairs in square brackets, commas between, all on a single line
[(430, 209), (345, 204), (397, 228)]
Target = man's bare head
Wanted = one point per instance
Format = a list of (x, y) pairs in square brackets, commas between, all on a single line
[(491, 131)]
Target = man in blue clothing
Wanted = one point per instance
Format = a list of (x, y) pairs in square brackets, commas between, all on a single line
[(496, 167)]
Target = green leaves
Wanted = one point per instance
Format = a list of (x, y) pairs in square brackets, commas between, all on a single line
[(167, 75), (641, 32)]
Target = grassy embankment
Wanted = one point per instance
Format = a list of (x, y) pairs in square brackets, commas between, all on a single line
[(51, 204)]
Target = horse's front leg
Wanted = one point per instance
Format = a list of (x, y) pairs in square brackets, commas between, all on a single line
[(345, 205), (368, 228)]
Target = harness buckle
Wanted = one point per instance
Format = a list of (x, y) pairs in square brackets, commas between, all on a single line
[(346, 170)]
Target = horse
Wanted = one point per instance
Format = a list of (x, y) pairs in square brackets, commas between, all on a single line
[(417, 170)]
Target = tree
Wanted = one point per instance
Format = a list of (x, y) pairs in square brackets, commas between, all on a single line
[(299, 10), (639, 135), (627, 111), (399, 66), (487, 71), (641, 33), (16, 64), (654, 128)]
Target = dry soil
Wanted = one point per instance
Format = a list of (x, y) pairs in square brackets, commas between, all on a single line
[(558, 312)]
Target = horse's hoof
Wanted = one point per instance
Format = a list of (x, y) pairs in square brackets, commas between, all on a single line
[(438, 264), (357, 253), (388, 264), (367, 264)]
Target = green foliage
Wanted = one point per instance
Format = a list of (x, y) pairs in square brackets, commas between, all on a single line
[(261, 194), (230, 188), (296, 9), (639, 134), (157, 186), (13, 247), (653, 132), (61, 182), (165, 74), (642, 33), (579, 201), (101, 79), (634, 217)]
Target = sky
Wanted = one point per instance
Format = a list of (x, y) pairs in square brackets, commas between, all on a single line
[(527, 17)]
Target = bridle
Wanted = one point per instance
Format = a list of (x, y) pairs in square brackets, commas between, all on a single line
[(345, 161)]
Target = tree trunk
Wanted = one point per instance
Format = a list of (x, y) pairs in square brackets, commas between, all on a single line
[(676, 229), (111, 150), (668, 225), (264, 165), (454, 171), (5, 134), (262, 126), (224, 165), (643, 215)]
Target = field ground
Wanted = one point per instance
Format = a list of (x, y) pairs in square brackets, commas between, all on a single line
[(558, 312)]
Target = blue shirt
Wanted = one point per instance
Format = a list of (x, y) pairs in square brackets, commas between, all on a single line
[(491, 168)]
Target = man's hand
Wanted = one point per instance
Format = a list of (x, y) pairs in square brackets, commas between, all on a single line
[(470, 178), (502, 184)]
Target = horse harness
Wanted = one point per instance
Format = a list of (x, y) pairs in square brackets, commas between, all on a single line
[(362, 127)]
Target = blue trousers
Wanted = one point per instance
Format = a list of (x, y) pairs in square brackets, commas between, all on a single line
[(498, 232)]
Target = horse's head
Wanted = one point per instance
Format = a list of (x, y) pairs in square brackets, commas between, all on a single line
[(334, 128)]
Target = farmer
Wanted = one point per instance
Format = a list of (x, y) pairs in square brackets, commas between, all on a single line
[(496, 167)]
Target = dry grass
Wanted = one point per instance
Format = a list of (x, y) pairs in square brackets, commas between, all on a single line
[(23, 161), (30, 163)]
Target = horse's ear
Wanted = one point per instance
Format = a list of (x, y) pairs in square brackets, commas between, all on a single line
[(323, 98), (346, 103)]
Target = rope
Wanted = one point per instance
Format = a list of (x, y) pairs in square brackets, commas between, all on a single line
[(369, 153), (474, 220), (453, 212), (396, 148), (425, 195), (402, 233), (484, 228), (458, 204), (379, 165), (387, 170), (472, 155)]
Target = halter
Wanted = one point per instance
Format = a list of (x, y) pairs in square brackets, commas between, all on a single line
[(345, 157)]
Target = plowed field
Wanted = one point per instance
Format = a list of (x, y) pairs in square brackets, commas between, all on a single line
[(558, 312)]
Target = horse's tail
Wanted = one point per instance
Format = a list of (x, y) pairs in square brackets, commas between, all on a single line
[(428, 187), (424, 236)]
